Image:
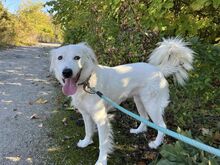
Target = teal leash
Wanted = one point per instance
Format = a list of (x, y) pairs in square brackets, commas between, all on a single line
[(173, 134)]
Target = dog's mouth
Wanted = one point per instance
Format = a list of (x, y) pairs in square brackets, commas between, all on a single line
[(70, 85)]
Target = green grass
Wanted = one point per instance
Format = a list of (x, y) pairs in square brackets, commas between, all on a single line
[(65, 138)]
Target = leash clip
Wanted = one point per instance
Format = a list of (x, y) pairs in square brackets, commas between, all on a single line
[(91, 90), (88, 89)]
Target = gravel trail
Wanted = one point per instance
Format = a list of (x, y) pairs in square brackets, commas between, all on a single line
[(26, 102)]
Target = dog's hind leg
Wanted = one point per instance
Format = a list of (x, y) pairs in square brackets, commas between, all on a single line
[(155, 112), (140, 107), (89, 131), (157, 119)]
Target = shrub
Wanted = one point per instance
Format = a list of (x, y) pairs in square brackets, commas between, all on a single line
[(6, 26), (33, 25), (126, 31), (182, 153), (28, 26)]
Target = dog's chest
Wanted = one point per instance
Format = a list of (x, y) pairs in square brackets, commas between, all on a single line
[(82, 100), (77, 102)]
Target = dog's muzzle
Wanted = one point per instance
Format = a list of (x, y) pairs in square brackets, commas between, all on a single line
[(67, 73)]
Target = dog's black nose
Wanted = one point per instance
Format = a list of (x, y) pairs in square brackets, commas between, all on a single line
[(67, 73)]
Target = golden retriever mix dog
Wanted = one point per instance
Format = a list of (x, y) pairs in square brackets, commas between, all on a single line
[(76, 65)]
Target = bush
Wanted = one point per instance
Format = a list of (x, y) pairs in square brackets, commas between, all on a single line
[(182, 153), (126, 31), (33, 25), (28, 26), (199, 98), (6, 26)]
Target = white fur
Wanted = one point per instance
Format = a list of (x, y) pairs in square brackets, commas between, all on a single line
[(173, 57), (144, 82)]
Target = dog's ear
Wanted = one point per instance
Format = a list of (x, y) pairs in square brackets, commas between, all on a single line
[(52, 54), (90, 61), (87, 50)]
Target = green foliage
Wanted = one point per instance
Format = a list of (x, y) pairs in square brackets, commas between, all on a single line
[(33, 25), (199, 99), (116, 40), (6, 26), (184, 154), (126, 31), (28, 26)]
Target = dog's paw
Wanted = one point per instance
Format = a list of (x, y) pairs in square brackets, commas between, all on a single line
[(153, 145), (84, 143), (98, 163), (137, 131), (101, 163)]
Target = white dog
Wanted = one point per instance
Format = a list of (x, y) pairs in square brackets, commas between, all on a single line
[(76, 65)]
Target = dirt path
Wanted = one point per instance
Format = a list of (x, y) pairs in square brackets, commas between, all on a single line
[(25, 90)]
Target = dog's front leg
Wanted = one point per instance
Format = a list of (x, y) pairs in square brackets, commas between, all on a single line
[(105, 136), (89, 131)]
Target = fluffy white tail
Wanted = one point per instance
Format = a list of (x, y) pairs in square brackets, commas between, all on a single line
[(173, 57)]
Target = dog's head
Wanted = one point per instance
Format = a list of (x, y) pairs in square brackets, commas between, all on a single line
[(72, 65)]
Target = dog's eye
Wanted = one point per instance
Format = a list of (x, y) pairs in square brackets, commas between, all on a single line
[(76, 58), (60, 57)]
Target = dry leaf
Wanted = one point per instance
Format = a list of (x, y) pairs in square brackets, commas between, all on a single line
[(205, 131), (64, 121), (41, 101), (216, 137), (141, 163), (13, 159), (150, 155), (40, 125), (66, 138), (34, 116)]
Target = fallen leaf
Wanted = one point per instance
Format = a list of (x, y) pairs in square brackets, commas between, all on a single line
[(13, 159), (66, 138), (141, 163), (216, 137), (150, 155), (40, 125), (29, 160), (205, 131), (64, 121), (41, 101), (34, 116)]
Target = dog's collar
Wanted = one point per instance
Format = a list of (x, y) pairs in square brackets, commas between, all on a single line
[(86, 85), (86, 81)]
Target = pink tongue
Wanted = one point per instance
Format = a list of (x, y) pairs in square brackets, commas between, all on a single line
[(69, 87)]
